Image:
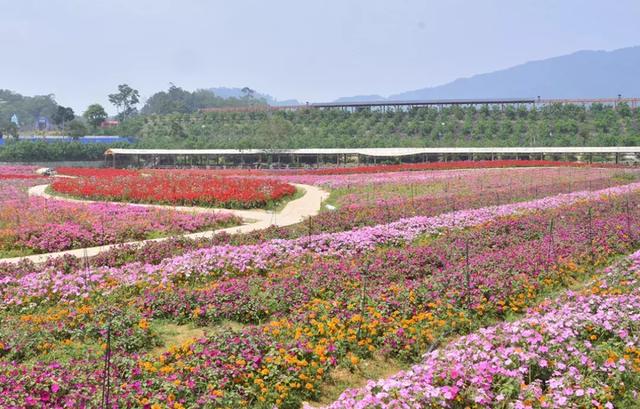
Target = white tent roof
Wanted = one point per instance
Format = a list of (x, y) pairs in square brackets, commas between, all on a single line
[(378, 152)]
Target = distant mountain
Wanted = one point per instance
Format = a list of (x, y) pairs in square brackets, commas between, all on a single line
[(225, 92), (584, 74)]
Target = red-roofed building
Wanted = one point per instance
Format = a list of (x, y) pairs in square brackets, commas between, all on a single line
[(109, 123)]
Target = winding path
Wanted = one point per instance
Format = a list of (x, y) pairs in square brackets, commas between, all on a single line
[(294, 212)]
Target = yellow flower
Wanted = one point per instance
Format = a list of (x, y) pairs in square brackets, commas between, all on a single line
[(143, 324)]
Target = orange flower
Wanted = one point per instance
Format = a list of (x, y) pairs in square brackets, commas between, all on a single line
[(143, 324)]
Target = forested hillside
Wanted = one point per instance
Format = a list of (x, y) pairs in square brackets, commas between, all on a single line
[(27, 109), (556, 125)]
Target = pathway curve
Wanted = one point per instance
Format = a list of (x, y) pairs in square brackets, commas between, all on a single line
[(295, 211)]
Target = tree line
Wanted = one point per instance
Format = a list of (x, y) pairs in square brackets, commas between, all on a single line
[(18, 112), (552, 125)]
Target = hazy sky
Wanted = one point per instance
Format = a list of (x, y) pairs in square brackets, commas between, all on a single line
[(80, 50)]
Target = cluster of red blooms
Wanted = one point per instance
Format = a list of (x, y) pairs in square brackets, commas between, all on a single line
[(19, 176), (184, 187), (510, 163), (97, 172)]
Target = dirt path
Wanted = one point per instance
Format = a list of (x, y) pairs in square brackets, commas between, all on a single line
[(294, 212)]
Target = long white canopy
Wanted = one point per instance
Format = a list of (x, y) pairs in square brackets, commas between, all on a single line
[(381, 152)]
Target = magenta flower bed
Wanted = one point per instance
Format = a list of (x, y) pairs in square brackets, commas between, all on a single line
[(39, 225), (501, 176)]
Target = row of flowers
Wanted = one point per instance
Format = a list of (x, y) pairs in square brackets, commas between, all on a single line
[(18, 172), (380, 204), (375, 175), (581, 350), (471, 175), (95, 172), (502, 163), (187, 188), (384, 168), (317, 314)]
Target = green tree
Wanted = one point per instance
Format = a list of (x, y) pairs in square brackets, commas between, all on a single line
[(63, 115), (11, 129), (77, 129), (95, 115), (125, 101), (178, 100), (27, 109), (248, 94)]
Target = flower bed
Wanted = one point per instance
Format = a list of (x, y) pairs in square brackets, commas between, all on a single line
[(186, 188), (44, 226), (407, 194), (95, 172), (38, 225), (581, 350), (19, 172), (483, 177), (352, 170), (482, 164)]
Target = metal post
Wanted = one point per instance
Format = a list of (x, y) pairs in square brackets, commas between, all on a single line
[(106, 381)]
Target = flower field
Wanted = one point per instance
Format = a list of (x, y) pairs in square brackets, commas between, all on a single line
[(185, 188), (539, 360), (493, 164), (38, 225), (464, 274), (18, 172)]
